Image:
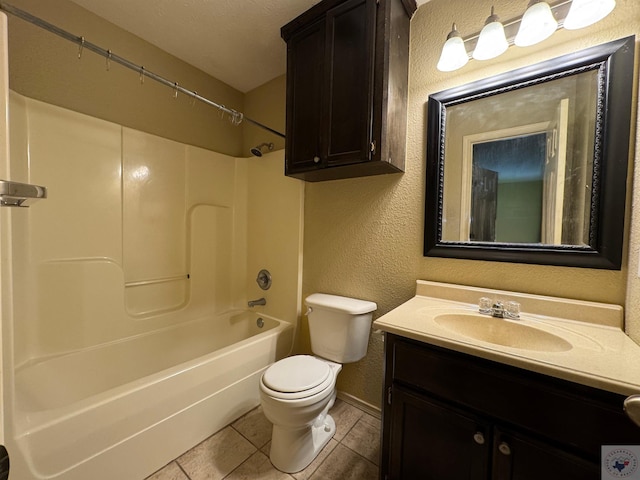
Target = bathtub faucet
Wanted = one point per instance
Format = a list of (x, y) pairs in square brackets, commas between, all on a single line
[(260, 301)]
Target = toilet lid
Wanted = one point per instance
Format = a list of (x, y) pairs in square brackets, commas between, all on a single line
[(296, 374)]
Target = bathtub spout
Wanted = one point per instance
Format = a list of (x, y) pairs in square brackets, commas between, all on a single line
[(260, 301)]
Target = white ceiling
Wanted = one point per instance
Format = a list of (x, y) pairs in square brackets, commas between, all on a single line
[(236, 41)]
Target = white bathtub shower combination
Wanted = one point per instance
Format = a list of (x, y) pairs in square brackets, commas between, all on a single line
[(129, 339), (124, 409)]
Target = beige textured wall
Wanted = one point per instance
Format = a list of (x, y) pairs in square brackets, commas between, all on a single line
[(363, 237), (632, 305), (46, 67)]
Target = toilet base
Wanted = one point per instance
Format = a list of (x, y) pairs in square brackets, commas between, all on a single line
[(293, 450)]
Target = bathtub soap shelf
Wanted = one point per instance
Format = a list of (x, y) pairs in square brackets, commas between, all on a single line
[(153, 281)]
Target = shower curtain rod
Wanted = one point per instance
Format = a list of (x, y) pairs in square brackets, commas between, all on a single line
[(236, 117)]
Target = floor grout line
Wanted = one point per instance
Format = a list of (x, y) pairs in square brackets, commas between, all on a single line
[(351, 428), (245, 461), (358, 454), (247, 438), (182, 469), (308, 474)]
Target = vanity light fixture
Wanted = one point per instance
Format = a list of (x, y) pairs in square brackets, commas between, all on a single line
[(587, 12), (454, 54), (539, 22), (492, 41)]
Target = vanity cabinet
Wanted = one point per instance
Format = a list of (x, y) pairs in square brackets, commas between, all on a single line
[(452, 416), (347, 82)]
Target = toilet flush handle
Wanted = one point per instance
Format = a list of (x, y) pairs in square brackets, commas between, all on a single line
[(309, 310)]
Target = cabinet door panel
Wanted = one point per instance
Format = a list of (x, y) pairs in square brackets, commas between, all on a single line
[(304, 85), (431, 442), (517, 457), (349, 56)]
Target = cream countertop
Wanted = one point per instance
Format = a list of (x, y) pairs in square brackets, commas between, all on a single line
[(602, 355)]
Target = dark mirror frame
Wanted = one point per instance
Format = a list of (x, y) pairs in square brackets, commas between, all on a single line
[(614, 62)]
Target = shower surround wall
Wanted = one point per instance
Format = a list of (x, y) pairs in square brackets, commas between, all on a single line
[(140, 236), (138, 232)]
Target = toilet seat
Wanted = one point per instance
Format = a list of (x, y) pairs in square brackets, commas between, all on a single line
[(297, 377)]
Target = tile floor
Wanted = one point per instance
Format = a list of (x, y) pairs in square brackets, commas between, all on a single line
[(241, 451)]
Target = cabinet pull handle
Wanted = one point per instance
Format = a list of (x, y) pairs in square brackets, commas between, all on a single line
[(632, 408), (479, 438), (504, 448), (316, 159)]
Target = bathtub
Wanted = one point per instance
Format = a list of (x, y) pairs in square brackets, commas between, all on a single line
[(124, 409)]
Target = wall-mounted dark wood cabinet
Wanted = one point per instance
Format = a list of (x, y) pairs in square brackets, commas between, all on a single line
[(452, 416), (347, 82)]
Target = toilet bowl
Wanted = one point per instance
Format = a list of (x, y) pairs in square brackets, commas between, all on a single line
[(297, 392), (296, 395)]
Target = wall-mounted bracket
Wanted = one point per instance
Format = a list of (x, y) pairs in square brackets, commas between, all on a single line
[(15, 194)]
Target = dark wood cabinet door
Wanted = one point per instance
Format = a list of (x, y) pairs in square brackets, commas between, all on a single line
[(349, 60), (433, 442), (516, 457), (305, 51), (347, 77)]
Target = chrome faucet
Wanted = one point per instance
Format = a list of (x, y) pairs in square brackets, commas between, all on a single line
[(497, 310), (254, 303)]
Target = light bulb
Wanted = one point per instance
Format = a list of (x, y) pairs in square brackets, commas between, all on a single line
[(537, 24), (492, 41), (587, 12), (454, 54)]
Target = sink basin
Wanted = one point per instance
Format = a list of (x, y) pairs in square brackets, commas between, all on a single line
[(499, 331)]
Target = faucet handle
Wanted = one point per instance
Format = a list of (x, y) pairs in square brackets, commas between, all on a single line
[(484, 305), (512, 310)]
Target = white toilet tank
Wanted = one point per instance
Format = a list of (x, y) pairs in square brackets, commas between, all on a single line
[(339, 326)]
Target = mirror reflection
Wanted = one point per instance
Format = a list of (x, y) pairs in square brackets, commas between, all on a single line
[(530, 166), (518, 166)]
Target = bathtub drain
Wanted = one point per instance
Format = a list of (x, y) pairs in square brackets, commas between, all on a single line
[(260, 322)]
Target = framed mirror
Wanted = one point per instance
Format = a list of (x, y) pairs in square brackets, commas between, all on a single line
[(530, 166)]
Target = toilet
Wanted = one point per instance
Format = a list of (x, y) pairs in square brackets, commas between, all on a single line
[(297, 392)]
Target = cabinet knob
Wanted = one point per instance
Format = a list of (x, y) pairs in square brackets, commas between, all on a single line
[(479, 438), (504, 448), (316, 159)]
